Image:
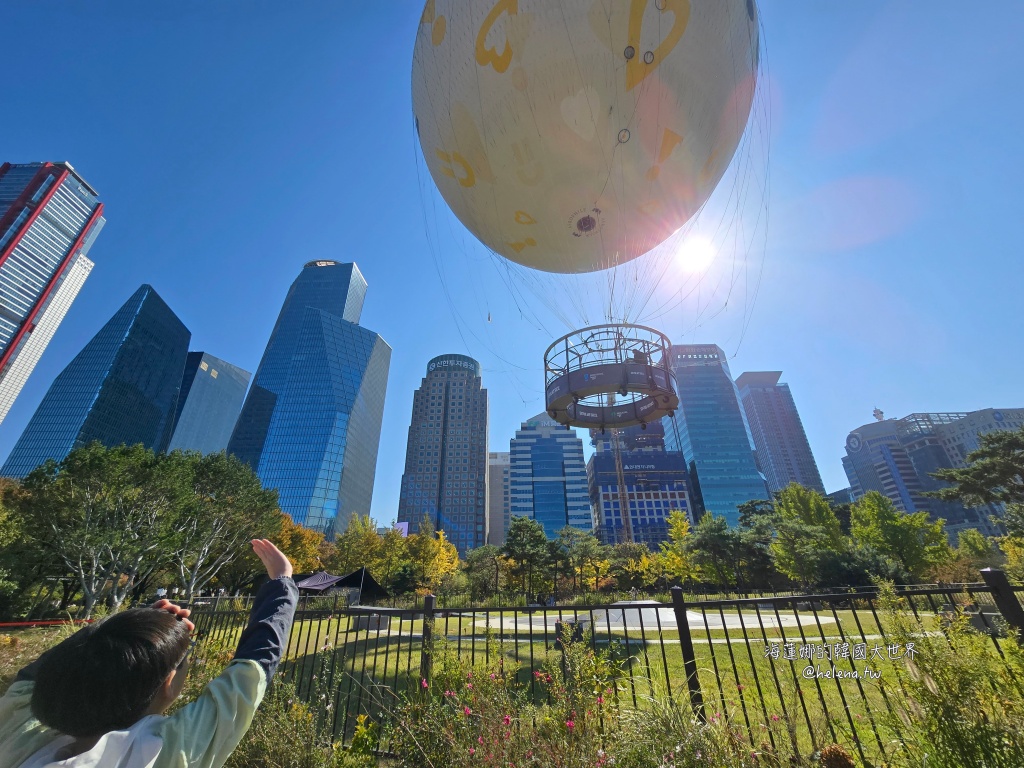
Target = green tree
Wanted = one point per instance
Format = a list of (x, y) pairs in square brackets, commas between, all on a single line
[(483, 569), (633, 565), (712, 548), (104, 515), (220, 505), (357, 547), (391, 558), (526, 547), (911, 539), (807, 535), (994, 473)]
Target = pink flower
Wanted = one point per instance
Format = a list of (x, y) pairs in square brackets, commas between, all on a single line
[(600, 699), (472, 751), (423, 683), (479, 739), (506, 719), (469, 686), (449, 693), (570, 724), (469, 674), (537, 674), (492, 675), (775, 718), (467, 711)]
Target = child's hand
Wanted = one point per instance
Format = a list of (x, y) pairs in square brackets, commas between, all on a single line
[(175, 610), (273, 559)]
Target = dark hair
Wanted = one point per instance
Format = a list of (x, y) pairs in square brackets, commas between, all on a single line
[(105, 677)]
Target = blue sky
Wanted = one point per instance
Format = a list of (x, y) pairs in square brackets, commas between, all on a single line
[(230, 148)]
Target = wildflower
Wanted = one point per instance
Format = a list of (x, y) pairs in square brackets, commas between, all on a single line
[(479, 739), (600, 699), (423, 682), (469, 675), (740, 687), (775, 718), (467, 711), (492, 675), (506, 719), (449, 693), (469, 686), (537, 674), (570, 724), (472, 751)]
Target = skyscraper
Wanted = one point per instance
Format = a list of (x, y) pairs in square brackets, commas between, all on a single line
[(548, 477), (446, 456), (897, 458), (655, 483), (121, 388), (212, 392), (310, 425), (782, 451), (49, 219), (499, 510), (711, 432)]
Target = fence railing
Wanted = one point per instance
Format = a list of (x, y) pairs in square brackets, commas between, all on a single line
[(743, 659)]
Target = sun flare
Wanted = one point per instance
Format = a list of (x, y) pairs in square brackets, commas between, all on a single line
[(696, 254)]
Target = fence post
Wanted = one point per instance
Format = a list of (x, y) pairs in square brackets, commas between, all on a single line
[(689, 660), (1004, 596), (428, 632)]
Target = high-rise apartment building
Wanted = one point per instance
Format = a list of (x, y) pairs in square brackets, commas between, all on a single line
[(499, 509), (655, 483), (898, 457), (122, 388), (711, 432), (548, 476), (446, 460), (310, 425), (782, 451), (49, 219), (212, 392)]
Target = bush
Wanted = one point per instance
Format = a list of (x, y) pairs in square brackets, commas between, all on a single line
[(962, 702)]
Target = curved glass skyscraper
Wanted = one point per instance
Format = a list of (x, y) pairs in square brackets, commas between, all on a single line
[(310, 425)]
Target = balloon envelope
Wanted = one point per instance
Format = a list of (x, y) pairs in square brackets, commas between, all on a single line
[(575, 135)]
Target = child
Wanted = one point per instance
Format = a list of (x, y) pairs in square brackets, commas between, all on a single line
[(97, 699)]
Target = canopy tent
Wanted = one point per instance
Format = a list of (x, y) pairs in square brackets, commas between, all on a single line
[(361, 580)]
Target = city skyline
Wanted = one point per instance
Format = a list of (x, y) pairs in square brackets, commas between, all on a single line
[(875, 233)]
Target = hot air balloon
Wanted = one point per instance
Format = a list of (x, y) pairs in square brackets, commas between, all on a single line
[(577, 135)]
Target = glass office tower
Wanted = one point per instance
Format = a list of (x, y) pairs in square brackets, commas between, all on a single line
[(446, 456), (49, 219), (548, 477), (711, 432), (656, 483), (783, 452), (121, 388), (212, 392), (310, 425)]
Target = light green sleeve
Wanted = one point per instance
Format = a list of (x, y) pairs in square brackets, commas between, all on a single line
[(204, 733), (21, 735)]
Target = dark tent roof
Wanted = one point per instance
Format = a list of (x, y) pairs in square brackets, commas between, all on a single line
[(360, 579)]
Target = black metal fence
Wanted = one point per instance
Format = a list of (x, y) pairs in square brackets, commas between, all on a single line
[(818, 665)]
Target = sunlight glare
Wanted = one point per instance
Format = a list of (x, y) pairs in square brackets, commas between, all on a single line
[(696, 254)]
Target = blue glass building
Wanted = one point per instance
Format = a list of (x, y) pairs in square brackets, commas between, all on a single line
[(446, 460), (121, 388), (710, 430), (310, 425), (212, 392), (548, 477), (655, 484)]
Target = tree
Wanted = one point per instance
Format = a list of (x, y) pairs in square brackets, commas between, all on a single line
[(911, 539), (483, 568), (712, 548), (220, 506), (634, 566), (994, 473), (581, 552), (444, 564), (390, 559), (357, 547), (675, 556), (104, 514), (526, 548), (807, 535)]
